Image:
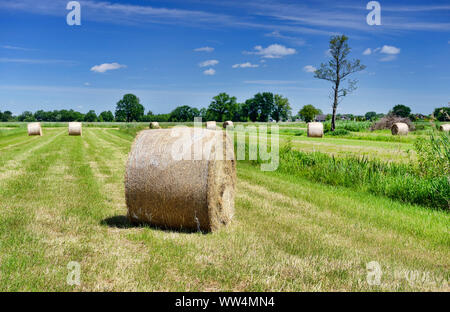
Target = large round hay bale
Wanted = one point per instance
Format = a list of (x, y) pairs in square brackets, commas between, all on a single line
[(315, 129), (211, 125), (75, 128), (228, 123), (154, 125), (445, 128), (196, 192), (35, 128), (399, 128)]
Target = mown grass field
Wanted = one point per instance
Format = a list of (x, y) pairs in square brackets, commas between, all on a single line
[(62, 200)]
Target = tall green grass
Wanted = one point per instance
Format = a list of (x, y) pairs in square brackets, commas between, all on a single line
[(398, 181), (354, 126), (415, 183)]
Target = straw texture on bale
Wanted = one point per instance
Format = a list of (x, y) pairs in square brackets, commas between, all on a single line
[(228, 123), (154, 125), (211, 125), (445, 127), (35, 128), (75, 128), (315, 129), (400, 128), (195, 193)]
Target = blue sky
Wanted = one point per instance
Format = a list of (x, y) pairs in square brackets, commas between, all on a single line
[(181, 52)]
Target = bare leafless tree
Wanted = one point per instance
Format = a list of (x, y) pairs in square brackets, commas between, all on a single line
[(337, 70)]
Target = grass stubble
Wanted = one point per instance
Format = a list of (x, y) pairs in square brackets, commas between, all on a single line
[(64, 201)]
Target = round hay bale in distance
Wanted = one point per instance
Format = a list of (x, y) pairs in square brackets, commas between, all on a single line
[(445, 128), (75, 128), (315, 129), (154, 125), (399, 128), (196, 192), (228, 123), (34, 128), (211, 125)]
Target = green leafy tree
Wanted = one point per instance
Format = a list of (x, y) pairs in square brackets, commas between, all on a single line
[(159, 117), (90, 116), (41, 115), (26, 116), (281, 108), (401, 110), (337, 71), (370, 116), (265, 103), (129, 109), (308, 113), (223, 107), (106, 116), (184, 113), (442, 113), (240, 114), (7, 116), (250, 109)]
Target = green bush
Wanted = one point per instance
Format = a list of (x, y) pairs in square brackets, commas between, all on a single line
[(339, 132)]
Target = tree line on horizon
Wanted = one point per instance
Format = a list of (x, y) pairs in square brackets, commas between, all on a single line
[(262, 107)]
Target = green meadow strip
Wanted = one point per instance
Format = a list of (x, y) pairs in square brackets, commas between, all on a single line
[(23, 263)]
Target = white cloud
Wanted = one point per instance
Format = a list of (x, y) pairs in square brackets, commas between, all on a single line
[(388, 58), (271, 82), (34, 61), (245, 65), (367, 51), (204, 49), (293, 40), (272, 51), (87, 84), (390, 50), (106, 66), (209, 72), (309, 69), (208, 63), (9, 47)]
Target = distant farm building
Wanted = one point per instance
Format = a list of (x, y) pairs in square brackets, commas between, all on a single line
[(321, 118)]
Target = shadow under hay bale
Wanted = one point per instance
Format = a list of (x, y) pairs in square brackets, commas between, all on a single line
[(75, 128), (123, 222), (315, 129), (194, 192), (34, 128)]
